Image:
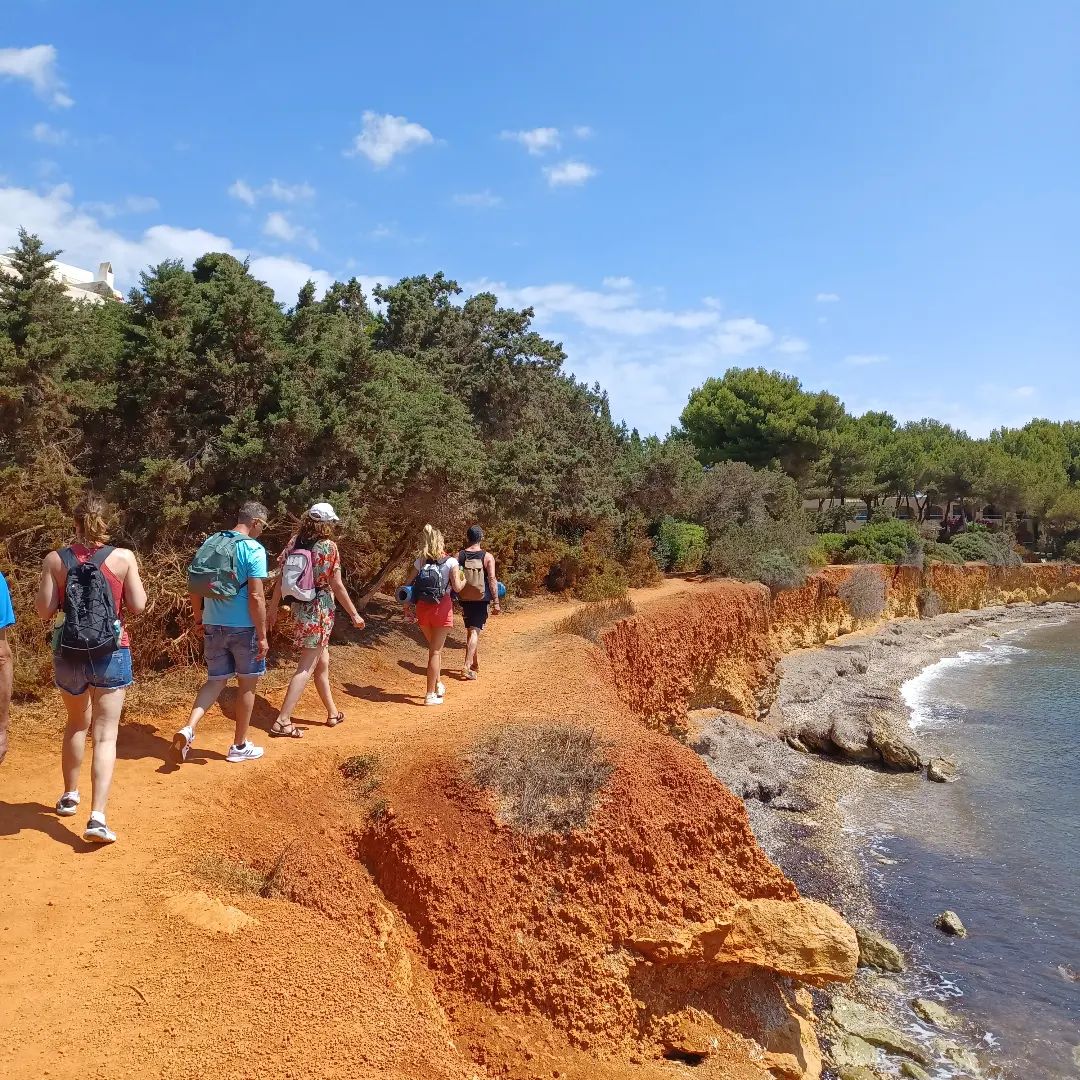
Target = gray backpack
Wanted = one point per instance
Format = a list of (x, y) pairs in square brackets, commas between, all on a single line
[(212, 573)]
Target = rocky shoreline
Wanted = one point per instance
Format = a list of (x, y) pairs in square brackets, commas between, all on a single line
[(836, 726)]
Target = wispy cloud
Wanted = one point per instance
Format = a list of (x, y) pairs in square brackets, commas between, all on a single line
[(36, 66), (49, 135), (792, 346), (537, 141), (737, 337), (383, 137), (865, 359), (569, 174), (240, 189), (274, 191), (481, 200), (132, 204), (583, 131), (618, 283), (279, 227), (827, 297)]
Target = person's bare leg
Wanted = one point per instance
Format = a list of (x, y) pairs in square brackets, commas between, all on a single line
[(245, 705), (436, 640), (205, 699), (78, 724), (297, 685), (322, 682), (472, 640), (107, 707)]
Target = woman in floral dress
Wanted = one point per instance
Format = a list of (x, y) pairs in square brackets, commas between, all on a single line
[(312, 621)]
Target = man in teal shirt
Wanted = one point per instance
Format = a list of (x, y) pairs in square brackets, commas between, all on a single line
[(234, 638), (7, 618)]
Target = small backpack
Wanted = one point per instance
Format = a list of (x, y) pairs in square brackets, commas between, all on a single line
[(298, 576), (212, 573), (472, 566), (90, 622), (428, 584)]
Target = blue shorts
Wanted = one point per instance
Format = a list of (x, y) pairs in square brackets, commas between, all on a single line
[(475, 613), (231, 650), (75, 675)]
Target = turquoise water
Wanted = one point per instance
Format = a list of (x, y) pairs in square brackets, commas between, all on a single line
[(1001, 847)]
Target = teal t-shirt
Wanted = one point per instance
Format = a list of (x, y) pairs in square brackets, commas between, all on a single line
[(7, 613), (250, 563)]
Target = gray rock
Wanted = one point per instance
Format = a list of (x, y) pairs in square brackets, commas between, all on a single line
[(1076, 1056), (948, 922), (851, 739), (895, 752), (866, 1024), (849, 1051), (962, 1058), (933, 1013), (941, 771), (916, 1072), (878, 952), (857, 1072)]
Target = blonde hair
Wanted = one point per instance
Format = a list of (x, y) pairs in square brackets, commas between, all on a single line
[(90, 523), (434, 544)]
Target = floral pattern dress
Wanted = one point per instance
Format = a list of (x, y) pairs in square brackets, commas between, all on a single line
[(313, 621)]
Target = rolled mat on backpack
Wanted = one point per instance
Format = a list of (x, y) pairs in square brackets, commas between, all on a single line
[(404, 593)]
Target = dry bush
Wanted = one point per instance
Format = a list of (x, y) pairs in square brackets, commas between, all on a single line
[(545, 776), (590, 619), (232, 875), (930, 603), (362, 772), (864, 593)]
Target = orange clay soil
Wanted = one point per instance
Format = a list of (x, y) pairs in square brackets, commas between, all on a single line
[(409, 935)]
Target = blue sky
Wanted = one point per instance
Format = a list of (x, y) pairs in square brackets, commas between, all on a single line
[(879, 199)]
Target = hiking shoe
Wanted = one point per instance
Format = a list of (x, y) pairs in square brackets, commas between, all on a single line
[(248, 752), (181, 744), (67, 804), (97, 832), (433, 699), (440, 688)]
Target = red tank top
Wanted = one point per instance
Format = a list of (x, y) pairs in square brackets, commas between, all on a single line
[(85, 554)]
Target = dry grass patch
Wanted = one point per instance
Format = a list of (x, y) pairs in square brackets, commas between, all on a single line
[(546, 777), (590, 619), (232, 875), (363, 774), (864, 593), (930, 603)]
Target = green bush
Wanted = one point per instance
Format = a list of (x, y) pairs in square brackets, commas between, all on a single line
[(977, 544), (886, 542), (1071, 551), (680, 546), (609, 584), (942, 553), (777, 569), (831, 519)]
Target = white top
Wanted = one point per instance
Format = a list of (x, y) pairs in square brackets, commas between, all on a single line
[(449, 565)]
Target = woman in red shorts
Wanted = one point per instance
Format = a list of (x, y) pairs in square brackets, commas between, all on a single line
[(436, 616)]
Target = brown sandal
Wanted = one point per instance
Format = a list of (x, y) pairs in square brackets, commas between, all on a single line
[(285, 731), (333, 721)]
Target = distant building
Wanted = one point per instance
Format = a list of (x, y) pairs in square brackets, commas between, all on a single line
[(79, 284)]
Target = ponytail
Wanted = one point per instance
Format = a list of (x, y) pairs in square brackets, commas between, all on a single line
[(90, 523), (434, 544)]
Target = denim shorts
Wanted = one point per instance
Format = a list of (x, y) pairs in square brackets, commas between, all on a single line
[(231, 650), (76, 674)]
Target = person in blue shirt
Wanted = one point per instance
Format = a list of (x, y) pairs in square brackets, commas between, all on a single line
[(234, 639), (7, 618)]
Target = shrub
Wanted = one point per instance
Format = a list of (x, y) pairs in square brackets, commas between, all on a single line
[(887, 542), (864, 593), (929, 530), (545, 777), (942, 553), (680, 546), (777, 569), (833, 519), (930, 603), (609, 584), (880, 515), (827, 548), (1071, 551), (362, 772), (976, 544), (589, 620)]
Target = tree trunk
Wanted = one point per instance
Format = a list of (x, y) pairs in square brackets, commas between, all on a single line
[(397, 553)]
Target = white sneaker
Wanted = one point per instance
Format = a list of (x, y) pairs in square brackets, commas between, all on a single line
[(433, 699), (68, 804), (248, 752), (98, 832), (440, 688), (181, 743)]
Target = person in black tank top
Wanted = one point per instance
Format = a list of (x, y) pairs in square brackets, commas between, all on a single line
[(475, 609)]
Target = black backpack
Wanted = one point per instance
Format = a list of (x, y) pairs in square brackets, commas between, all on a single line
[(428, 584), (90, 616)]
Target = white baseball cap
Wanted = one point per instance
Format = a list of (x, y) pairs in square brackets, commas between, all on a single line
[(322, 512)]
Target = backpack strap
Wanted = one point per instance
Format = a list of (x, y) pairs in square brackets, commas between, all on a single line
[(67, 557), (102, 554)]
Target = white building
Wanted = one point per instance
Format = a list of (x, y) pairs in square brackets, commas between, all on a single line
[(79, 284)]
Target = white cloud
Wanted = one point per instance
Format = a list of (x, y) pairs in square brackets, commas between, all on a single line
[(85, 241), (827, 297), (536, 140), (46, 133), (618, 283), (737, 337), (583, 131), (37, 66), (383, 137), (1024, 391), (569, 174), (482, 200), (792, 346), (865, 359), (133, 204), (243, 191), (279, 227)]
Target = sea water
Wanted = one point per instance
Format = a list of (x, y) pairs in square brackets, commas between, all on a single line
[(1001, 846)]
